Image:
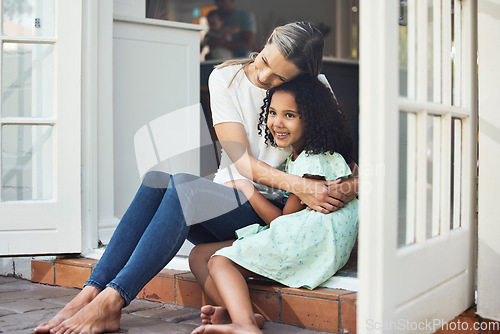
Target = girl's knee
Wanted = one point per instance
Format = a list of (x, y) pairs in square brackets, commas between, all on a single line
[(216, 261), (196, 254), (199, 256)]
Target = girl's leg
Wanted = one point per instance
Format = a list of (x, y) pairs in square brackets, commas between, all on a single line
[(230, 281), (198, 262), (122, 244)]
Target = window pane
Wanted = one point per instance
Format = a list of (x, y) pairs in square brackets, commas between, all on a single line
[(456, 173), (433, 176), (407, 179), (27, 80), (403, 48), (28, 17), (430, 50), (27, 170)]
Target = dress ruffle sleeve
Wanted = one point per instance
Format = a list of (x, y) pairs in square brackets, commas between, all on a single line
[(330, 166)]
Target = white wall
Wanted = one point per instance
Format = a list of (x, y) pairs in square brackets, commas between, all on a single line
[(155, 72), (489, 159)]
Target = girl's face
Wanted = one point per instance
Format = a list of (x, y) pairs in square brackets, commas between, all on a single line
[(285, 123), (271, 69)]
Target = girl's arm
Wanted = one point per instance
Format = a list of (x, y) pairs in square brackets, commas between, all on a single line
[(266, 210), (315, 194)]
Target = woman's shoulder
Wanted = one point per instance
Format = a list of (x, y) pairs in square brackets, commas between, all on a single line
[(222, 76), (225, 72)]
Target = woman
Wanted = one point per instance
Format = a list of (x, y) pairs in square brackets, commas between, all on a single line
[(168, 209)]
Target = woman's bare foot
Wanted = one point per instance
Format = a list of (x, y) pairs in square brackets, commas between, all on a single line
[(85, 296), (227, 329), (217, 315), (99, 316)]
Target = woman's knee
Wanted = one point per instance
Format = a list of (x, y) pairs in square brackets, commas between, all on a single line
[(183, 178), (156, 179)]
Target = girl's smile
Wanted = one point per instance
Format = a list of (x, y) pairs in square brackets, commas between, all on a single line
[(285, 123)]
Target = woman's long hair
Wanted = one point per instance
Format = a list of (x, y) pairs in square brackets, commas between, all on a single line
[(325, 124)]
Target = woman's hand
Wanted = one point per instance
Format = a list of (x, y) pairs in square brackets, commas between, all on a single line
[(328, 196)]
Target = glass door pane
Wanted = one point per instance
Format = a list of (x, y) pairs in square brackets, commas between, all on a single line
[(407, 178), (28, 17), (27, 163), (27, 80)]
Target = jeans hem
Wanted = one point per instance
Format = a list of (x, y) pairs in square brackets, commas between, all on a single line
[(122, 293), (95, 284)]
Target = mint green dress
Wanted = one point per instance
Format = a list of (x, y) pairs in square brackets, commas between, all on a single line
[(305, 248)]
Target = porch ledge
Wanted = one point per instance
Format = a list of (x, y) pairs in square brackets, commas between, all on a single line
[(323, 309)]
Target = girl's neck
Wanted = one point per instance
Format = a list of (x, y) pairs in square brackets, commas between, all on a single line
[(296, 154)]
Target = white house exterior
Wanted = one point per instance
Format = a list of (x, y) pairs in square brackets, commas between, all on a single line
[(82, 80)]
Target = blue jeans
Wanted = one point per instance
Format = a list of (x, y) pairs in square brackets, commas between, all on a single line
[(165, 212)]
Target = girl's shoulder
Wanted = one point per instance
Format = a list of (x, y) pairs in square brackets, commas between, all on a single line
[(330, 166)]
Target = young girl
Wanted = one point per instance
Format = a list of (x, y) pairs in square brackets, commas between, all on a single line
[(300, 247)]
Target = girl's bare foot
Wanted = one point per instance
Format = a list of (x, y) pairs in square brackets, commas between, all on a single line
[(227, 329), (101, 315), (76, 304), (217, 315)]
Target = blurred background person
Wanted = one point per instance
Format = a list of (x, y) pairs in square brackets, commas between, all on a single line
[(217, 32), (241, 43)]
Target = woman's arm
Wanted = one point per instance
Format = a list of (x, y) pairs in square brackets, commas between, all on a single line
[(315, 194)]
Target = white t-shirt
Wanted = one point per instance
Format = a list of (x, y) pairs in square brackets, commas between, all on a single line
[(241, 103)]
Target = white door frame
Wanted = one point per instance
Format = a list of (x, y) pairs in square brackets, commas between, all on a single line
[(405, 286), (97, 124), (53, 225)]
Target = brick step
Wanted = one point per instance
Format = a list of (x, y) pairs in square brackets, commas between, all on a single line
[(322, 309)]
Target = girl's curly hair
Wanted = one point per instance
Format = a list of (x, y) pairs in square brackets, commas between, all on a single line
[(325, 124)]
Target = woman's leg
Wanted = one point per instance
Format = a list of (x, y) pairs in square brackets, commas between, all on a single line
[(122, 244), (230, 281), (153, 234), (131, 229), (159, 243), (213, 211)]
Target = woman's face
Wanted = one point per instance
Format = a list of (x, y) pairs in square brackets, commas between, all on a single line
[(271, 69)]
